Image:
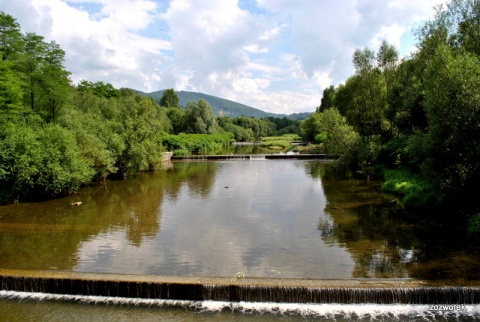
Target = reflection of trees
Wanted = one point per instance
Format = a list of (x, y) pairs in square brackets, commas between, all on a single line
[(199, 176), (47, 235), (385, 242)]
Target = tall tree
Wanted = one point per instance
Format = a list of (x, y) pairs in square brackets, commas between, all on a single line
[(199, 118), (369, 101), (11, 39), (54, 82), (46, 81), (10, 89), (452, 83), (141, 126), (387, 59), (33, 57), (169, 98), (327, 99)]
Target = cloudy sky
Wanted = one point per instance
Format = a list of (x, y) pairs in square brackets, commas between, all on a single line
[(275, 55)]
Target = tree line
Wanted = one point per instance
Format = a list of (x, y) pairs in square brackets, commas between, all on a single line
[(56, 136), (414, 122)]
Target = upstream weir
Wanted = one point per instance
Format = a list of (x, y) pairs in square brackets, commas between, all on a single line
[(195, 289), (257, 157)]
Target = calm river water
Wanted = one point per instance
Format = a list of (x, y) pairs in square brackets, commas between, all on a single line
[(264, 218)]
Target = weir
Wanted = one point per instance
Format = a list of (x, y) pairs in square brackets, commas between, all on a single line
[(359, 291), (257, 156)]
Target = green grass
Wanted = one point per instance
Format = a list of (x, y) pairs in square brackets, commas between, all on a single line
[(286, 137), (416, 191), (279, 142), (276, 144), (184, 144)]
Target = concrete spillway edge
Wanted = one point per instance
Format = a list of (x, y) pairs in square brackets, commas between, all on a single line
[(379, 291)]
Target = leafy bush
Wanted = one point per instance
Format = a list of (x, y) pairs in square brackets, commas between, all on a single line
[(39, 162), (320, 138), (181, 152), (474, 224)]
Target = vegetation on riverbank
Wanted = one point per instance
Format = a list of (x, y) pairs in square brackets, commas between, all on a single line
[(413, 122), (56, 137), (279, 142), (184, 144)]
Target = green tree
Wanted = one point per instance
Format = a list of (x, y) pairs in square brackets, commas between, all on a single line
[(310, 127), (39, 162), (177, 119), (11, 39), (47, 83), (240, 133), (54, 82), (141, 129), (453, 110), (327, 99), (337, 135), (199, 118), (366, 111), (98, 88), (387, 60), (406, 100), (94, 121), (10, 89), (459, 23), (169, 98), (32, 59)]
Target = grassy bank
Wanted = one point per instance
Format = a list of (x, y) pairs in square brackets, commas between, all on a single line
[(279, 142), (416, 192), (184, 144)]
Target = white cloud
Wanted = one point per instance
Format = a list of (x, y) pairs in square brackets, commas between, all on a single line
[(106, 48), (278, 56)]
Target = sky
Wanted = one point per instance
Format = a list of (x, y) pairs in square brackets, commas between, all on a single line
[(274, 55)]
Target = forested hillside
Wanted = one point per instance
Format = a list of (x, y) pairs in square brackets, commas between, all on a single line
[(414, 122), (220, 106)]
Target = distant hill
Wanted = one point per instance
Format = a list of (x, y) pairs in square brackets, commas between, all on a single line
[(220, 106)]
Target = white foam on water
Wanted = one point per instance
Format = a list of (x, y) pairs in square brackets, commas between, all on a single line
[(346, 311), (329, 311)]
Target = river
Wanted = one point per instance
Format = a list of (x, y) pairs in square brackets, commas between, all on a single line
[(260, 218)]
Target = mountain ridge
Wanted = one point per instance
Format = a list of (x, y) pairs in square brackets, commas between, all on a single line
[(222, 106)]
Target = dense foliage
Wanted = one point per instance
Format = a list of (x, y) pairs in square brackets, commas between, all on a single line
[(414, 122), (55, 137)]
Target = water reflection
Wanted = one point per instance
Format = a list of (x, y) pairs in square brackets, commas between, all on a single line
[(270, 218), (385, 241)]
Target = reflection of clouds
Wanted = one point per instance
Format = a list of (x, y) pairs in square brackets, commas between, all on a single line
[(113, 253), (259, 218), (265, 220)]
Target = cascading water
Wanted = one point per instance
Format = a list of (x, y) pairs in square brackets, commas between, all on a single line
[(327, 299), (264, 311)]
